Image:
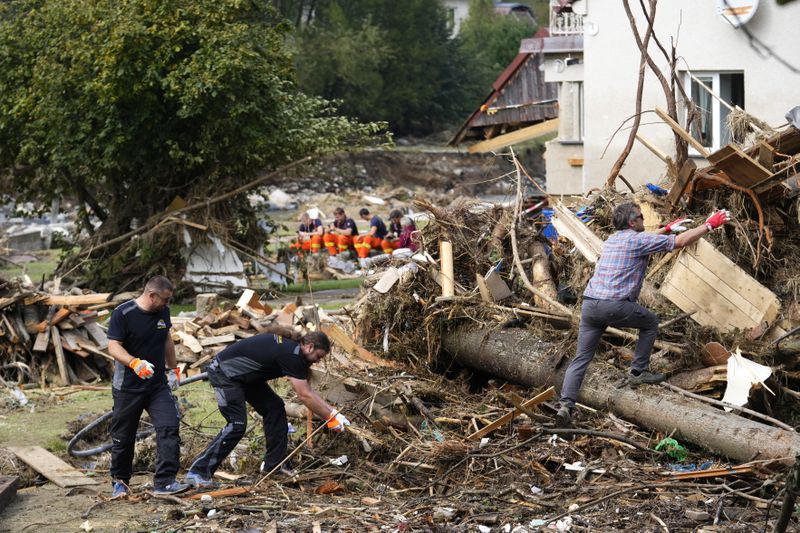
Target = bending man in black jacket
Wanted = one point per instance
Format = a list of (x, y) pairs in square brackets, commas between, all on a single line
[(239, 374)]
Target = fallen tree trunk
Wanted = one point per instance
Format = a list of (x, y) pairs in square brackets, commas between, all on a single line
[(520, 356)]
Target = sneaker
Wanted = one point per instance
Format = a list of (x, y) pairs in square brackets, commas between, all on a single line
[(120, 490), (199, 482), (284, 471), (176, 487), (564, 417), (645, 377)]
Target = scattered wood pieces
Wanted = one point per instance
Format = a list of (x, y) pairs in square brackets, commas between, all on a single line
[(51, 466)]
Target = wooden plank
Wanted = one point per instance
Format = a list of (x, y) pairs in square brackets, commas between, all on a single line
[(222, 493), (682, 133), (339, 337), (766, 155), (51, 466), (221, 339), (736, 299), (57, 317), (508, 417), (518, 136), (8, 490), (91, 348), (653, 148), (684, 176), (483, 289), (83, 299), (723, 295), (60, 359), (718, 263), (570, 226), (96, 332), (42, 341), (738, 166), (497, 287), (190, 342)]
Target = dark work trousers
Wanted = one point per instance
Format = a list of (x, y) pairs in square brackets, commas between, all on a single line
[(231, 397), (596, 316), (128, 408)]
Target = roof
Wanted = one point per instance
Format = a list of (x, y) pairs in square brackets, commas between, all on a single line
[(520, 97)]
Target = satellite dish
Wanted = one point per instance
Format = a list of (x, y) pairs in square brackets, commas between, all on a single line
[(737, 12)]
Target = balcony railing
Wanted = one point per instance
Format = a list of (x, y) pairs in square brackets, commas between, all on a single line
[(565, 23)]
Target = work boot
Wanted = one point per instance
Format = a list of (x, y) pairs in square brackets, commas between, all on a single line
[(645, 376), (120, 490), (176, 487), (199, 482), (564, 417), (284, 471)]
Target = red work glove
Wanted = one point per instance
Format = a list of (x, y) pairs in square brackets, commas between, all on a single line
[(143, 369), (717, 219), (174, 378), (338, 422), (677, 226)]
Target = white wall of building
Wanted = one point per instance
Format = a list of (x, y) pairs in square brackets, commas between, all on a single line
[(707, 43), (460, 11)]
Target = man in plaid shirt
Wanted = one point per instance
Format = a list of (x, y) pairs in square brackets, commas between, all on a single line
[(611, 295)]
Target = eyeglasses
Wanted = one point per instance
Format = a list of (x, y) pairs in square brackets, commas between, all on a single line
[(166, 299)]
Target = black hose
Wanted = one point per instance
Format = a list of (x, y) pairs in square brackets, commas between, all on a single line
[(105, 416)]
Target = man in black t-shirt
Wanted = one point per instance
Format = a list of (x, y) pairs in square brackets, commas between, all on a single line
[(145, 369), (239, 374)]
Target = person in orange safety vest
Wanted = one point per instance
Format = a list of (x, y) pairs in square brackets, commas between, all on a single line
[(309, 234), (374, 237), (341, 234)]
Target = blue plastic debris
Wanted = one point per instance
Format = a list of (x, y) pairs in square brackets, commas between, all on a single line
[(658, 191)]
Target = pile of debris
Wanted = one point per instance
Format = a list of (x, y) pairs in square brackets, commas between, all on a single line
[(53, 338)]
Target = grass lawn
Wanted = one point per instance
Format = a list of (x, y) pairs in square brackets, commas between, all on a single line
[(46, 265), (322, 285)]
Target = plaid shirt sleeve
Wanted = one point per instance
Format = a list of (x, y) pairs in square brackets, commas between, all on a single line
[(620, 271)]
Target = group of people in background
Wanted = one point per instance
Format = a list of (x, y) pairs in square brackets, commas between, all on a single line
[(342, 234)]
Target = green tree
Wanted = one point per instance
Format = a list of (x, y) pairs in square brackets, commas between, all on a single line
[(491, 40), (406, 69), (350, 68), (128, 103)]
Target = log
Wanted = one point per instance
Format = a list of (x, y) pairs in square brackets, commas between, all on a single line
[(540, 273), (520, 356)]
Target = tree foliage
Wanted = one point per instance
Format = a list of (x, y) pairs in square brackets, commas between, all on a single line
[(128, 103), (491, 40), (386, 60)]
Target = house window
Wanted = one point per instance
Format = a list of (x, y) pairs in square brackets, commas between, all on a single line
[(711, 127), (570, 112)]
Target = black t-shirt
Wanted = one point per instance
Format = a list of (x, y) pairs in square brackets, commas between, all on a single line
[(347, 223), (143, 335), (312, 225), (376, 221), (395, 228), (263, 357)]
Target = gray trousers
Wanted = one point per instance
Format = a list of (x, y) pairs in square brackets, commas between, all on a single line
[(596, 316)]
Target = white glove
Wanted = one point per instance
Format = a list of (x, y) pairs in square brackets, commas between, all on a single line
[(338, 422), (677, 226), (174, 378)]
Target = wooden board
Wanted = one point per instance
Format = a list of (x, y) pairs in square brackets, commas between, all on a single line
[(339, 337), (60, 359), (518, 136), (739, 167), (721, 294), (570, 226), (42, 341), (682, 133), (508, 417), (51, 466), (684, 176), (83, 299), (221, 339), (498, 289), (8, 490), (97, 333), (190, 342)]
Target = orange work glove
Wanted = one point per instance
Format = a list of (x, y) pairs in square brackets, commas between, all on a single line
[(143, 369)]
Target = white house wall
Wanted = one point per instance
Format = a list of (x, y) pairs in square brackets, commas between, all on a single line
[(707, 43)]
